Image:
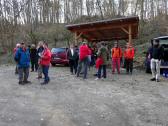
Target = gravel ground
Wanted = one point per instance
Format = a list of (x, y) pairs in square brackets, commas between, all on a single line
[(120, 100)]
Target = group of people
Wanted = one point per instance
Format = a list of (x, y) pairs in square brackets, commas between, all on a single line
[(80, 59), (39, 58)]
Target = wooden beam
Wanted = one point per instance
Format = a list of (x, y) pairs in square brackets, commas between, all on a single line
[(125, 30), (107, 27), (78, 36), (109, 39), (75, 37), (130, 34)]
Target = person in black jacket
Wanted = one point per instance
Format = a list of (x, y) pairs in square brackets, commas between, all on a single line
[(34, 58), (72, 55), (156, 55)]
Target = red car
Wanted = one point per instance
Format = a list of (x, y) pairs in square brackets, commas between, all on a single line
[(59, 56)]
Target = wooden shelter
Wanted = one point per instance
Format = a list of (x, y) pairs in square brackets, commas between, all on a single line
[(106, 30)]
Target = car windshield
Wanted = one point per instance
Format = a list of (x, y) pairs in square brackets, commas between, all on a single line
[(163, 41), (58, 50)]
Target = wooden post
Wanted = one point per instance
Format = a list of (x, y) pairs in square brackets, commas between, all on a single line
[(130, 35), (76, 40), (77, 37)]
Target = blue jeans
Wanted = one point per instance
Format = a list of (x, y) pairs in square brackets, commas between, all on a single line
[(45, 72), (104, 71), (84, 62)]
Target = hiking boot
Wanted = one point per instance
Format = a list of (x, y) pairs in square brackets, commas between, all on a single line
[(20, 83), (95, 74), (27, 82), (153, 79), (44, 83)]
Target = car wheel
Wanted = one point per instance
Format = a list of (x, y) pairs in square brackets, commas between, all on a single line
[(66, 65), (53, 64)]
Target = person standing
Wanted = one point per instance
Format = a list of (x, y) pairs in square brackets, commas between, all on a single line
[(45, 63), (83, 59), (34, 58), (103, 55), (14, 53), (39, 52), (156, 55), (23, 61), (72, 55), (77, 57), (148, 58), (129, 56), (94, 54), (116, 54)]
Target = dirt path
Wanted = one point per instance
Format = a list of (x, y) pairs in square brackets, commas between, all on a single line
[(121, 100)]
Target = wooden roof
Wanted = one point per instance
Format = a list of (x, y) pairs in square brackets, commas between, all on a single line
[(106, 30)]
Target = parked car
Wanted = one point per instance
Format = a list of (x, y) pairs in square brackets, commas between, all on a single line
[(59, 56), (163, 41)]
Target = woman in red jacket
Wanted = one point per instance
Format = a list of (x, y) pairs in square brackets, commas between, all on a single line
[(45, 62), (83, 59)]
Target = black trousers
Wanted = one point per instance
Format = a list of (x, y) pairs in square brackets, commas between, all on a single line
[(129, 65), (73, 66), (34, 65)]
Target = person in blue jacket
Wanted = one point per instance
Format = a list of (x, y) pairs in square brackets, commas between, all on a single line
[(22, 57)]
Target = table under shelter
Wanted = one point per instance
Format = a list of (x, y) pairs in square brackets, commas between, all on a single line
[(106, 30)]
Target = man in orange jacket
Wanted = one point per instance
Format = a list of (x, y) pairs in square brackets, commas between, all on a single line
[(129, 56), (116, 53)]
